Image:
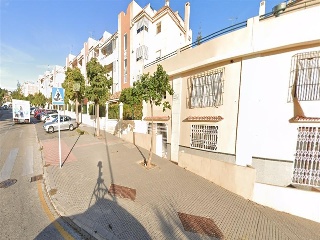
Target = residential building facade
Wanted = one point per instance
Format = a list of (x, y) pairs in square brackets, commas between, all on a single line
[(50, 78), (245, 112), (29, 88), (143, 35)]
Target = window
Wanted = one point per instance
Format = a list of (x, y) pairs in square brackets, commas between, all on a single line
[(158, 54), (204, 137), (125, 71), (109, 48), (158, 28), (305, 77), (142, 52), (207, 89), (142, 28), (125, 42), (142, 24), (307, 158)]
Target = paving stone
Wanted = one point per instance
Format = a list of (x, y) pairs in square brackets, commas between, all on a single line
[(161, 192)]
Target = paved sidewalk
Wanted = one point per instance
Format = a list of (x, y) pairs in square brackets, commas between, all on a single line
[(105, 190)]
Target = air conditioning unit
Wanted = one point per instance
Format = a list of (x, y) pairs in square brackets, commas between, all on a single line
[(278, 9)]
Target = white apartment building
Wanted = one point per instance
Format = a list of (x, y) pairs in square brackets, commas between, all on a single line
[(143, 35), (29, 88), (50, 78)]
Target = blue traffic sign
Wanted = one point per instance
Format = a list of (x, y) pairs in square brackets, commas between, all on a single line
[(57, 96)]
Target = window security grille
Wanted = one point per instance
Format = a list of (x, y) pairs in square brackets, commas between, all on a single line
[(307, 158), (142, 52), (305, 77), (207, 90), (204, 137)]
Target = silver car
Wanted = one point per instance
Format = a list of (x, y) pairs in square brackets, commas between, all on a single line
[(66, 123), (50, 117)]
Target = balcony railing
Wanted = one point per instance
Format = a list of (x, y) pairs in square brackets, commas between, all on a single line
[(200, 41)]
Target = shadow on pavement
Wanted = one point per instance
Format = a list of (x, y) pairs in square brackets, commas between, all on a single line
[(70, 151), (104, 218)]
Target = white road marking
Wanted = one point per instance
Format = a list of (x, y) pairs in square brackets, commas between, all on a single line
[(8, 165), (28, 162)]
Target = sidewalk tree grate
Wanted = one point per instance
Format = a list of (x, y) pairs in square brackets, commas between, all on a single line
[(201, 225), (7, 183), (36, 178), (123, 192)]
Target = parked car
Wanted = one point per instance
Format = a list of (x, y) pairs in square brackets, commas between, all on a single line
[(50, 117), (43, 116), (66, 123), (37, 112), (39, 115), (32, 109)]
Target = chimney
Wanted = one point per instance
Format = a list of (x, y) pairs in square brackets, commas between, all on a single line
[(186, 19), (262, 8)]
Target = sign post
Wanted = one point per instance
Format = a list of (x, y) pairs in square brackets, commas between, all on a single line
[(58, 99)]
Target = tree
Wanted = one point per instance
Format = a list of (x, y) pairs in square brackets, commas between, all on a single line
[(17, 94), (129, 97), (39, 100), (3, 93), (74, 87), (30, 98), (99, 86), (152, 89)]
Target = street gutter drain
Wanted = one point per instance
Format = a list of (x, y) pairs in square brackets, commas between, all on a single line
[(36, 178), (201, 225), (123, 192), (7, 183)]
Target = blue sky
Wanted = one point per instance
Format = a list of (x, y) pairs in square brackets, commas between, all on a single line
[(38, 34)]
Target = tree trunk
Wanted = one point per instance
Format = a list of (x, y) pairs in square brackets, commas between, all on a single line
[(151, 147), (97, 120)]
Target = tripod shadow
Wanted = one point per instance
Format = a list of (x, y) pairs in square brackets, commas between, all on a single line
[(100, 189)]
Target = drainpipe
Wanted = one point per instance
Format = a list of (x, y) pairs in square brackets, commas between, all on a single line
[(238, 108)]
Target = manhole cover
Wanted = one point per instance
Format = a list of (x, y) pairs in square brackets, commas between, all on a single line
[(7, 183), (201, 225), (124, 192)]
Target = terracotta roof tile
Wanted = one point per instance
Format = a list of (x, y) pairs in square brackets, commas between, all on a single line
[(205, 118), (157, 118), (304, 119), (115, 95)]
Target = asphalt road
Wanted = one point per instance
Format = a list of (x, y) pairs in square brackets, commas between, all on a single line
[(25, 210)]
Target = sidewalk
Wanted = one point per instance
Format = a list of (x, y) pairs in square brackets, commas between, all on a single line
[(103, 188)]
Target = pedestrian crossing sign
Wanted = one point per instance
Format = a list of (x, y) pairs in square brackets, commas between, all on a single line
[(57, 96)]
